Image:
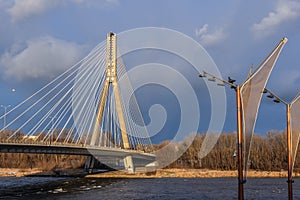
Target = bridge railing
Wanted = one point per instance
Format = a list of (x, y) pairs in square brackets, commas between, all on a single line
[(39, 143), (33, 142)]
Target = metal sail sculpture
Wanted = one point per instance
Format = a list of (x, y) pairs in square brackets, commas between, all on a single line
[(293, 134), (251, 92), (295, 127), (248, 97)]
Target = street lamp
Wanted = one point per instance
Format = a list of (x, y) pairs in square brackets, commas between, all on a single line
[(277, 99), (4, 116), (232, 84), (5, 110)]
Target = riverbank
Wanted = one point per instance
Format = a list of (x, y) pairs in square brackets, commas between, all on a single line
[(188, 173), (17, 172), (160, 173)]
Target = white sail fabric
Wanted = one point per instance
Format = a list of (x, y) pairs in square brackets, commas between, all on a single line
[(295, 128), (251, 94)]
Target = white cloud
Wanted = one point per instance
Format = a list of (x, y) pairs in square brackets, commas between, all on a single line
[(208, 38), (285, 11), (202, 30), (44, 57), (22, 9)]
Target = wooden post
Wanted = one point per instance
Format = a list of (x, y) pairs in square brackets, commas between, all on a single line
[(239, 145), (289, 156)]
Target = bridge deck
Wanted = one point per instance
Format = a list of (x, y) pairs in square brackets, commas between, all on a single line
[(73, 149)]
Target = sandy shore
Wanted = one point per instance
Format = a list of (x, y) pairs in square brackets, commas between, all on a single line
[(160, 173), (188, 173), (17, 172)]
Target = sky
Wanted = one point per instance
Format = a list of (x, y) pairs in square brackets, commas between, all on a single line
[(40, 39)]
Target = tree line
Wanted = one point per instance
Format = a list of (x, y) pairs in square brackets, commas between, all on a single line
[(267, 153), (41, 161)]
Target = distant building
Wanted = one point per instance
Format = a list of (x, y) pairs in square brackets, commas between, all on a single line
[(30, 137)]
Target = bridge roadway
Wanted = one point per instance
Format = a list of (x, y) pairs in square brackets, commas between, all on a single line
[(105, 154)]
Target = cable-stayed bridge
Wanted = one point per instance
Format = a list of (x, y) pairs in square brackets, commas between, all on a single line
[(83, 111)]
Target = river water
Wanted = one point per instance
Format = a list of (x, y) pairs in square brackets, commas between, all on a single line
[(138, 189)]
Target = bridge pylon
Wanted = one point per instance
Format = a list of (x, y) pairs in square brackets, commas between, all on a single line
[(110, 80)]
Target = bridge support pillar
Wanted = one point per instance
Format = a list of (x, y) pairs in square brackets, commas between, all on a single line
[(89, 164), (128, 164)]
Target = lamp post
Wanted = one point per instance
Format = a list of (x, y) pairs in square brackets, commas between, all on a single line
[(230, 82), (4, 116), (13, 90), (289, 138)]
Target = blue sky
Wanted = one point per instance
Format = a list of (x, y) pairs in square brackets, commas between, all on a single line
[(41, 38)]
